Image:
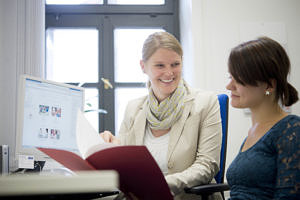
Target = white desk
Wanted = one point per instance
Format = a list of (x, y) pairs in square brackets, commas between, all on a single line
[(35, 184)]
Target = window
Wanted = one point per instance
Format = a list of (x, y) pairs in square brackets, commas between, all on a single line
[(113, 2), (73, 2), (86, 43), (72, 54), (137, 2)]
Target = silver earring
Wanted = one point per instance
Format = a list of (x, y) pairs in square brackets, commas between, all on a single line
[(267, 93)]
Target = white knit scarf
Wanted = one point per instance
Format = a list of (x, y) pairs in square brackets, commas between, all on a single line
[(163, 115)]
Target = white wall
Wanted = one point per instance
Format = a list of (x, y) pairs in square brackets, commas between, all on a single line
[(216, 26), (22, 29), (8, 72)]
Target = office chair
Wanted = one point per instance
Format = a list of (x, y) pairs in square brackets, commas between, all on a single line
[(220, 186)]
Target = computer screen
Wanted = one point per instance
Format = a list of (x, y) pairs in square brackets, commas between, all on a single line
[(47, 113)]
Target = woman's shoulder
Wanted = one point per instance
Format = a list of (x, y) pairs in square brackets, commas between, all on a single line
[(295, 119), (285, 130), (289, 122), (202, 101), (202, 98), (138, 101), (135, 105), (200, 94)]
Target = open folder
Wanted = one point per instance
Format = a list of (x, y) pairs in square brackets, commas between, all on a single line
[(140, 176)]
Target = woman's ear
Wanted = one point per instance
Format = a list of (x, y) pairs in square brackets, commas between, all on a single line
[(273, 85), (142, 64)]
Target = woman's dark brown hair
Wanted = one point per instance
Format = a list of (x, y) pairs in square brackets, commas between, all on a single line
[(263, 60)]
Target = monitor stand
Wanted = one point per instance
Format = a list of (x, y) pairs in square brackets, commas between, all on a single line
[(53, 167), (46, 166)]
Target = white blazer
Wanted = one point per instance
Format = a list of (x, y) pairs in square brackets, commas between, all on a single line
[(195, 139)]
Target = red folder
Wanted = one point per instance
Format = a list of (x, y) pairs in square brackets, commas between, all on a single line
[(140, 176)]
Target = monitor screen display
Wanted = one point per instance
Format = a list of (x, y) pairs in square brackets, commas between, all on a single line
[(47, 115)]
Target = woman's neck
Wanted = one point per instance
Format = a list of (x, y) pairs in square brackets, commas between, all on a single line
[(263, 119), (269, 113), (158, 133)]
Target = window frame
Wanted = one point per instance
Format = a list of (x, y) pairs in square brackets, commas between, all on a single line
[(105, 8), (107, 18)]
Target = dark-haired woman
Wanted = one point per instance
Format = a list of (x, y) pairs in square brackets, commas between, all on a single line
[(268, 163)]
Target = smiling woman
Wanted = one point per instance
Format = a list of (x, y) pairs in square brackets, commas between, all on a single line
[(246, 96), (270, 153), (164, 71), (180, 126)]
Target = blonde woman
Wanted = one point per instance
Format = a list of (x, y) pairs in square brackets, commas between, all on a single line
[(179, 125)]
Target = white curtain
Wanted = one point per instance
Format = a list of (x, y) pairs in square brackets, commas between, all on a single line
[(31, 37), (22, 47)]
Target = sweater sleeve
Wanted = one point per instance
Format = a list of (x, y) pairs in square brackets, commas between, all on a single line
[(288, 162)]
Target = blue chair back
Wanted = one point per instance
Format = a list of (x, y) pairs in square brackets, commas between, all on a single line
[(223, 101)]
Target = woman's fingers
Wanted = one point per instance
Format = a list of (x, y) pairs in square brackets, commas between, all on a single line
[(115, 140), (107, 136)]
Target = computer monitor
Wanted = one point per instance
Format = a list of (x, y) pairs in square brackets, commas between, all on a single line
[(46, 116)]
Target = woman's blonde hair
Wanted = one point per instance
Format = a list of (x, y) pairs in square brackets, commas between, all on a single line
[(160, 40)]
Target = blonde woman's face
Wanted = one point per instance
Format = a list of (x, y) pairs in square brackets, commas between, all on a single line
[(164, 69)]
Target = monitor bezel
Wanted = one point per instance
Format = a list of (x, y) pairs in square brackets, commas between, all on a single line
[(19, 149)]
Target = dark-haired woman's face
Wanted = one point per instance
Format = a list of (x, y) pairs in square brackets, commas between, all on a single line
[(246, 96)]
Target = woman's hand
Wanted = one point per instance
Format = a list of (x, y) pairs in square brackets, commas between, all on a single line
[(107, 136)]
